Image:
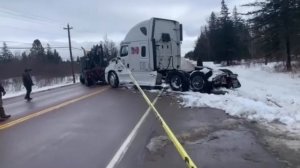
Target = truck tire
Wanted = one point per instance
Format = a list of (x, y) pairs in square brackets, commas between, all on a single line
[(88, 82), (199, 83), (113, 80), (81, 79), (178, 81)]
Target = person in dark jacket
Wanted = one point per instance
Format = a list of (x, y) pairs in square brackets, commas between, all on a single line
[(2, 112), (27, 82)]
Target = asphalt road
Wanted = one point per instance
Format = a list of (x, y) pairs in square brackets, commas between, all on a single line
[(85, 133), (89, 131), (81, 127)]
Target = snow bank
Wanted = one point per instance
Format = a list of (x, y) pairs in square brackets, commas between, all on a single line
[(34, 90), (264, 96), (14, 86)]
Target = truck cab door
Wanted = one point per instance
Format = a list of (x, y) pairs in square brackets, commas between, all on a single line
[(139, 57), (135, 57), (125, 60), (140, 63)]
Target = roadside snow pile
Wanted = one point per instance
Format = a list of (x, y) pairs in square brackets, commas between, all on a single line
[(14, 86), (264, 96), (34, 90)]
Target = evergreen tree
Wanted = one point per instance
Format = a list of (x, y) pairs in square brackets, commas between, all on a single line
[(6, 54), (37, 51), (276, 26), (226, 38), (202, 48), (24, 57), (296, 40), (241, 36), (189, 55), (49, 54), (213, 34), (56, 57), (224, 12), (227, 46)]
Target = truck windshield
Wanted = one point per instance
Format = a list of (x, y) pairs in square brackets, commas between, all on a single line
[(124, 51)]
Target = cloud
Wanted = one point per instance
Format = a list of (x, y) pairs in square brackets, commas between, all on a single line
[(24, 21)]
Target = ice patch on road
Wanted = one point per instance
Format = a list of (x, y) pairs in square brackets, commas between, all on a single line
[(157, 144), (193, 136), (290, 143)]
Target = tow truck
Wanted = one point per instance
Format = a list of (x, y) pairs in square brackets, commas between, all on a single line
[(151, 51)]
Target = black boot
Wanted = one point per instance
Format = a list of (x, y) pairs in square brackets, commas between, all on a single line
[(2, 114)]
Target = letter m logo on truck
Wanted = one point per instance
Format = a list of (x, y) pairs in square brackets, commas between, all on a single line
[(135, 50)]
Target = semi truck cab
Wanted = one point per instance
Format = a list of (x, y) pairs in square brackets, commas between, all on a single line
[(149, 50)]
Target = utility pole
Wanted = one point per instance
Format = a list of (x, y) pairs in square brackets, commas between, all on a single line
[(70, 47)]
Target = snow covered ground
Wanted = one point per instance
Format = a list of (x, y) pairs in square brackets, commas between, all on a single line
[(14, 86), (265, 96)]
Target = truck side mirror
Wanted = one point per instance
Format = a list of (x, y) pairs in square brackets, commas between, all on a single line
[(181, 35)]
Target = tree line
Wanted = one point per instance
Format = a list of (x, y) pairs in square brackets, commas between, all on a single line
[(271, 32), (43, 61), (106, 49), (46, 61), (37, 53)]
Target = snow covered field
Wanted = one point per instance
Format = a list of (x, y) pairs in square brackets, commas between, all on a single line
[(14, 86), (265, 96)]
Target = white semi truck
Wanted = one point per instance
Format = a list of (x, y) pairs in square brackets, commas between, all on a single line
[(152, 52)]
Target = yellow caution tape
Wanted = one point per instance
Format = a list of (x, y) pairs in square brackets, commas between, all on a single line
[(189, 162)]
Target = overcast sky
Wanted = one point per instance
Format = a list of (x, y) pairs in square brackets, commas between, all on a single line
[(22, 21)]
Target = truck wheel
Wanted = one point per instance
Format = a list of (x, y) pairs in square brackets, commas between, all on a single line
[(81, 80), (199, 83), (88, 82), (113, 80), (178, 82)]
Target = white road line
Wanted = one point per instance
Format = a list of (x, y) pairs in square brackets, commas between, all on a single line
[(124, 147)]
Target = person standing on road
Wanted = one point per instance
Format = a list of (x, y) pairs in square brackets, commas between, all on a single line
[(2, 112), (27, 82)]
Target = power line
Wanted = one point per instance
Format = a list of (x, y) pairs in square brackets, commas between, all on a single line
[(29, 18), (24, 48), (7, 41)]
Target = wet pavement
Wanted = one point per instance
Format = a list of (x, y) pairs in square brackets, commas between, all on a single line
[(82, 134), (19, 107), (88, 133), (212, 138)]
